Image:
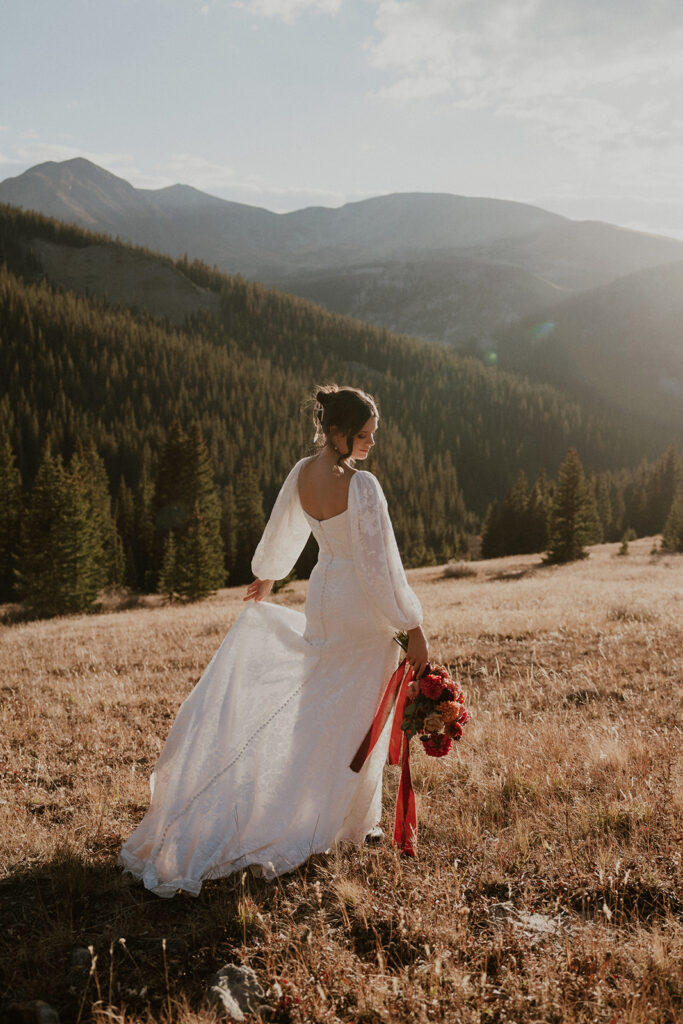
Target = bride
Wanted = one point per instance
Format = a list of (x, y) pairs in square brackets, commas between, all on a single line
[(255, 770)]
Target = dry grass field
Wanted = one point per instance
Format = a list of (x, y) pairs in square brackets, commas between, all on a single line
[(547, 887)]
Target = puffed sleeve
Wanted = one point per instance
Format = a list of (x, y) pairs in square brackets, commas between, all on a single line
[(376, 556), (285, 534)]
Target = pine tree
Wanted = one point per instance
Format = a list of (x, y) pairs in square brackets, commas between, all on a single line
[(144, 536), (59, 566), (11, 504), (229, 529), (418, 553), (168, 574), (196, 563), (171, 489), (91, 562), (492, 542), (205, 519), (603, 505), (250, 521), (89, 467), (513, 517), (663, 488), (598, 533), (573, 515), (124, 517), (672, 538), (187, 505), (537, 515)]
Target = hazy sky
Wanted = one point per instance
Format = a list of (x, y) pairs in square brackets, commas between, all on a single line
[(576, 105)]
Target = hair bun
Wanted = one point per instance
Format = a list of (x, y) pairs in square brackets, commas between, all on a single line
[(322, 397)]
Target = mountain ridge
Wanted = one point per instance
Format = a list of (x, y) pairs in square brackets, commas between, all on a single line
[(251, 239), (447, 268)]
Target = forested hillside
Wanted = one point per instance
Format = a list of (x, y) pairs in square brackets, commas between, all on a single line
[(125, 375), (454, 433), (618, 348)]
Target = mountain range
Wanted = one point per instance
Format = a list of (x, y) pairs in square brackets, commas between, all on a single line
[(592, 310), (444, 267)]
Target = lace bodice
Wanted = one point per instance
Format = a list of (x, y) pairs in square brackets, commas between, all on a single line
[(362, 534)]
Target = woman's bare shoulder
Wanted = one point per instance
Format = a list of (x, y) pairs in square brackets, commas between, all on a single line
[(305, 466)]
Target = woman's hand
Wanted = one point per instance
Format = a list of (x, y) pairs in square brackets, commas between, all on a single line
[(417, 654), (259, 589)]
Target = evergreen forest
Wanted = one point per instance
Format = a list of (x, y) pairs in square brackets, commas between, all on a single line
[(153, 452)]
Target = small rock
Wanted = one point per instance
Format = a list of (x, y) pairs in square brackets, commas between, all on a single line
[(538, 924), (80, 959), (34, 1012), (79, 968), (236, 990), (535, 926)]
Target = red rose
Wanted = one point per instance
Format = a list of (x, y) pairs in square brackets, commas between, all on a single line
[(454, 730), (464, 717), (431, 686), (436, 744)]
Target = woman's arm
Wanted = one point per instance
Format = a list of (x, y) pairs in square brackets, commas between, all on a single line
[(417, 654), (286, 532), (258, 589), (378, 563)]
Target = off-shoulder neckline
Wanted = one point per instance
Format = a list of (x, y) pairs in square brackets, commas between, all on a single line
[(329, 519)]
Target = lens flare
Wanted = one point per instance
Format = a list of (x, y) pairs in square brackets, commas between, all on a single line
[(541, 331)]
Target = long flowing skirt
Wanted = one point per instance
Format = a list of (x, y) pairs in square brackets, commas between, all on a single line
[(255, 770)]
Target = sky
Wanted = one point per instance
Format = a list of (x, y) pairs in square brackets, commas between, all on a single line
[(572, 105)]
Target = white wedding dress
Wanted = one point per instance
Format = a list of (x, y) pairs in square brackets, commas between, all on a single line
[(255, 770)]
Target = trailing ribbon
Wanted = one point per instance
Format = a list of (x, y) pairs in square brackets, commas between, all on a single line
[(395, 695)]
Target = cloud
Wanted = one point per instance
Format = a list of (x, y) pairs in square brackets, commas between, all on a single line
[(212, 177), (29, 150), (594, 77), (287, 10), (184, 168)]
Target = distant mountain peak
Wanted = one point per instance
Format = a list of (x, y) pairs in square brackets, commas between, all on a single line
[(400, 226), (77, 166)]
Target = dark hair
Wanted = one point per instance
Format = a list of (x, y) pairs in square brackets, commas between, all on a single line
[(347, 409)]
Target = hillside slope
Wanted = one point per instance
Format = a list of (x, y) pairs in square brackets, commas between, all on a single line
[(454, 301), (70, 365), (618, 348)]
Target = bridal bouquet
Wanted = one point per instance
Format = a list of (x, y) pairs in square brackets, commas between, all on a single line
[(434, 710)]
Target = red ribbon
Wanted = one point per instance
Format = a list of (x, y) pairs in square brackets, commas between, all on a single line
[(395, 695)]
